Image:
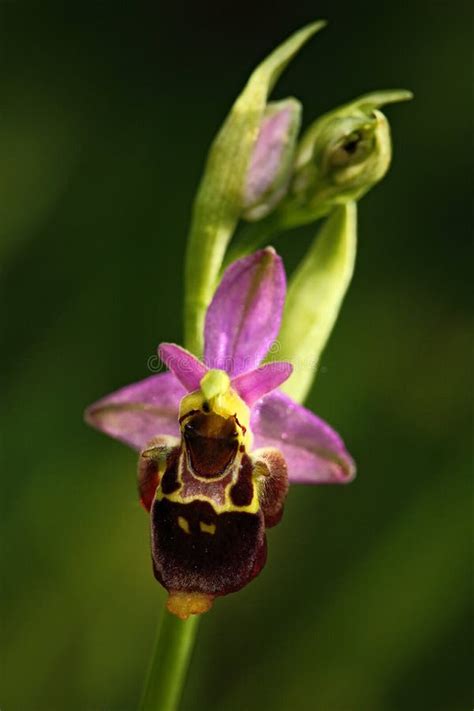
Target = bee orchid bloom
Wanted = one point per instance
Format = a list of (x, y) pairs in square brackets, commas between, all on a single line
[(219, 442)]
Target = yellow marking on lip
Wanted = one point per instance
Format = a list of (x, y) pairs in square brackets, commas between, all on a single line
[(207, 527), (183, 524), (178, 497)]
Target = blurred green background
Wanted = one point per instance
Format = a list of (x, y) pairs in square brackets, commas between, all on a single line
[(106, 113)]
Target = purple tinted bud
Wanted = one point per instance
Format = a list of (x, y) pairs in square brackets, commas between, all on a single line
[(271, 163)]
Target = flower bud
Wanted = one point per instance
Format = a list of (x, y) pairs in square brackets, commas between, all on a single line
[(341, 156), (271, 163)]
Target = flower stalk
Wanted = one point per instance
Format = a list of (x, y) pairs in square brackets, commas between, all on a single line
[(169, 664)]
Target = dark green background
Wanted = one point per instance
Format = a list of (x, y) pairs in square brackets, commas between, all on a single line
[(106, 113)]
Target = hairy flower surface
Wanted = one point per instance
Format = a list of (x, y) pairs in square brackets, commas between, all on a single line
[(219, 442)]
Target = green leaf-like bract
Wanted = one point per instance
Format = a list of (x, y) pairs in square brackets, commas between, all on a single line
[(315, 295), (218, 203)]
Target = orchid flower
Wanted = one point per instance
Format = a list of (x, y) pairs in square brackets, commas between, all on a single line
[(219, 441), (222, 434)]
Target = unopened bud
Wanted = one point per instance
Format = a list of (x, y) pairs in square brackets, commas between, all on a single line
[(341, 156), (271, 164)]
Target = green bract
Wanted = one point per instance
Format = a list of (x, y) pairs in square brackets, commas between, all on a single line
[(218, 203), (314, 297)]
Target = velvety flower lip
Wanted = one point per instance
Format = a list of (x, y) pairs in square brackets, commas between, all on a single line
[(242, 322)]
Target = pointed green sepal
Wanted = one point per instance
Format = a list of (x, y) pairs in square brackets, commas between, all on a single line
[(315, 295), (219, 201)]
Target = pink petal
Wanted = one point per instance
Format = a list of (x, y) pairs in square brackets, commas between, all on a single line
[(314, 453), (244, 316), (254, 385), (137, 413), (186, 367)]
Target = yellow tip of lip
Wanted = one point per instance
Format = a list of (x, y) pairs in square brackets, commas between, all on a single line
[(185, 604)]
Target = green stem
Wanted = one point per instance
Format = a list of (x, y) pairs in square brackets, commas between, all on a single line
[(169, 663), (252, 236), (286, 217)]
